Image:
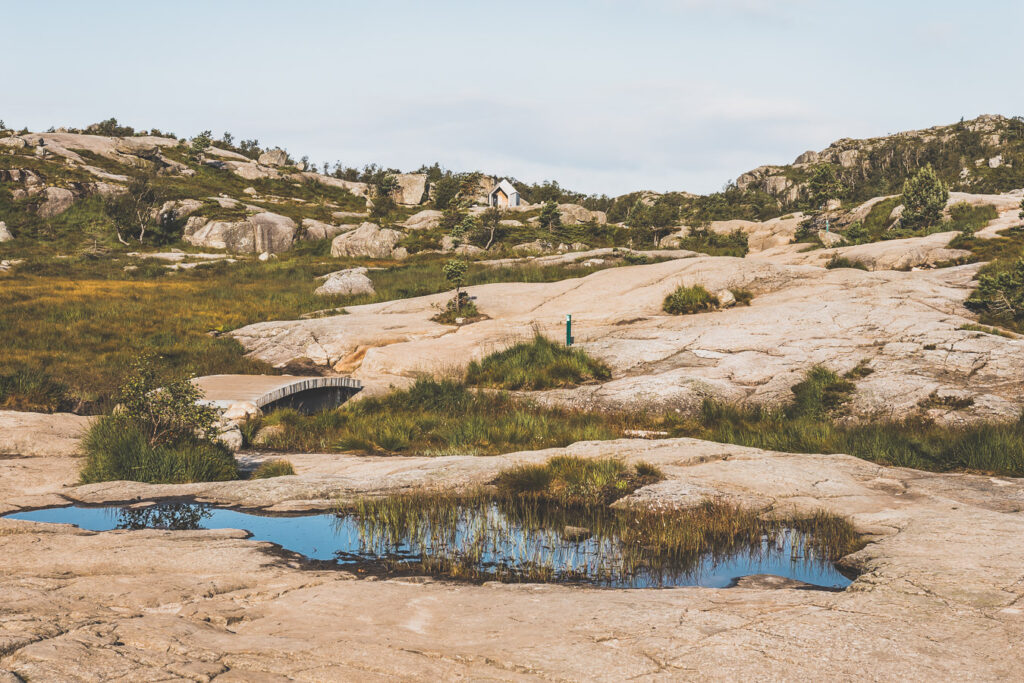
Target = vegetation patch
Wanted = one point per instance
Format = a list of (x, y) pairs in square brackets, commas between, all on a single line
[(567, 480), (685, 300), (537, 364), (159, 435), (273, 468), (442, 418), (838, 261), (974, 327), (514, 537)]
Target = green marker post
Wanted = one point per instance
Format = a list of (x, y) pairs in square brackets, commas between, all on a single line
[(568, 329)]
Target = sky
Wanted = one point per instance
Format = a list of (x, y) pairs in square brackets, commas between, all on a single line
[(604, 96)]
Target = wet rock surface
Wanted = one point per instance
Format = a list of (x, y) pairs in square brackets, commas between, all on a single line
[(940, 593)]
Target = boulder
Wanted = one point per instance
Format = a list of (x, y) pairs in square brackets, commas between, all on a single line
[(535, 247), (177, 210), (232, 438), (511, 223), (573, 214), (58, 200), (13, 143), (274, 157), (468, 250), (267, 434), (411, 188), (345, 282), (318, 230), (830, 239), (808, 157), (5, 234), (241, 412), (251, 171), (369, 240), (424, 220), (725, 298), (264, 232)]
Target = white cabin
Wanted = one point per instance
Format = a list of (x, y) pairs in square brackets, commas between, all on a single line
[(503, 196)]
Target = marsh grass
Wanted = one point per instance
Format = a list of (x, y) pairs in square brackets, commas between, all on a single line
[(442, 418), (480, 536), (568, 481), (71, 326), (686, 300), (117, 449), (537, 364)]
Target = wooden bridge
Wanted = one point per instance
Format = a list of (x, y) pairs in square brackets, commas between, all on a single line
[(270, 392)]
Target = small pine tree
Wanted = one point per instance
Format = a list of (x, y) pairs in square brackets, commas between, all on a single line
[(455, 273), (823, 185), (550, 218), (924, 198)]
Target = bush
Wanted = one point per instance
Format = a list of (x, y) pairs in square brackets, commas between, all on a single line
[(842, 262), (1000, 292), (924, 198), (166, 411), (568, 480), (32, 390), (273, 468), (117, 448), (690, 300), (743, 296), (538, 364)]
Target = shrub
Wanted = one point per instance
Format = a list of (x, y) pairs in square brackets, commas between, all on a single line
[(549, 216), (686, 300), (568, 480), (273, 468), (743, 297), (117, 448), (838, 261), (165, 411), (538, 364), (1000, 292), (924, 198)]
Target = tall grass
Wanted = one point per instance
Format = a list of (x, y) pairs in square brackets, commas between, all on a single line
[(685, 300), (537, 364), (479, 536), (117, 449), (442, 418), (567, 480)]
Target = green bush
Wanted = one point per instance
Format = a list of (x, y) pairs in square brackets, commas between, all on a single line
[(686, 300), (537, 364), (1000, 293), (924, 198), (33, 390), (117, 448)]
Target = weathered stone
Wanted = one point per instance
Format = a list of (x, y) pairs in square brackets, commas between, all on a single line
[(411, 188), (572, 214), (262, 232), (274, 157), (5, 234), (176, 210), (535, 247), (58, 200), (345, 282), (830, 239), (318, 230), (424, 220), (725, 298), (368, 241)]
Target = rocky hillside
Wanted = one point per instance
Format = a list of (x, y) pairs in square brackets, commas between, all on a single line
[(985, 155)]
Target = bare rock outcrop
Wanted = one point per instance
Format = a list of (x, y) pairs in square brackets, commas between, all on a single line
[(345, 282), (58, 200), (318, 230), (412, 188), (369, 240), (906, 325), (424, 220), (263, 232), (571, 214), (5, 234), (274, 157)]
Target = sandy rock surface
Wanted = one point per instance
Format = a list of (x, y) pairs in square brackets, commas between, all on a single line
[(940, 594), (904, 325)]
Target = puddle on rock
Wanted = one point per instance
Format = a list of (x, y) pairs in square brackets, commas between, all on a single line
[(488, 540)]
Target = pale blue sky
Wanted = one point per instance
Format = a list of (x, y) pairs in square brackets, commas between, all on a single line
[(601, 95)]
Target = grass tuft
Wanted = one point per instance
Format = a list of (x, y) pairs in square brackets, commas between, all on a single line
[(686, 300), (537, 364), (568, 480), (117, 449), (273, 468)]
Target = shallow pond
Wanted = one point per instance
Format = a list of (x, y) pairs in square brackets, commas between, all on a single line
[(482, 542)]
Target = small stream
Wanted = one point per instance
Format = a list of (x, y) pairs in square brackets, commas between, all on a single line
[(480, 544)]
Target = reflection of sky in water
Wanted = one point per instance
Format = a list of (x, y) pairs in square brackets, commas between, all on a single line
[(329, 537)]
